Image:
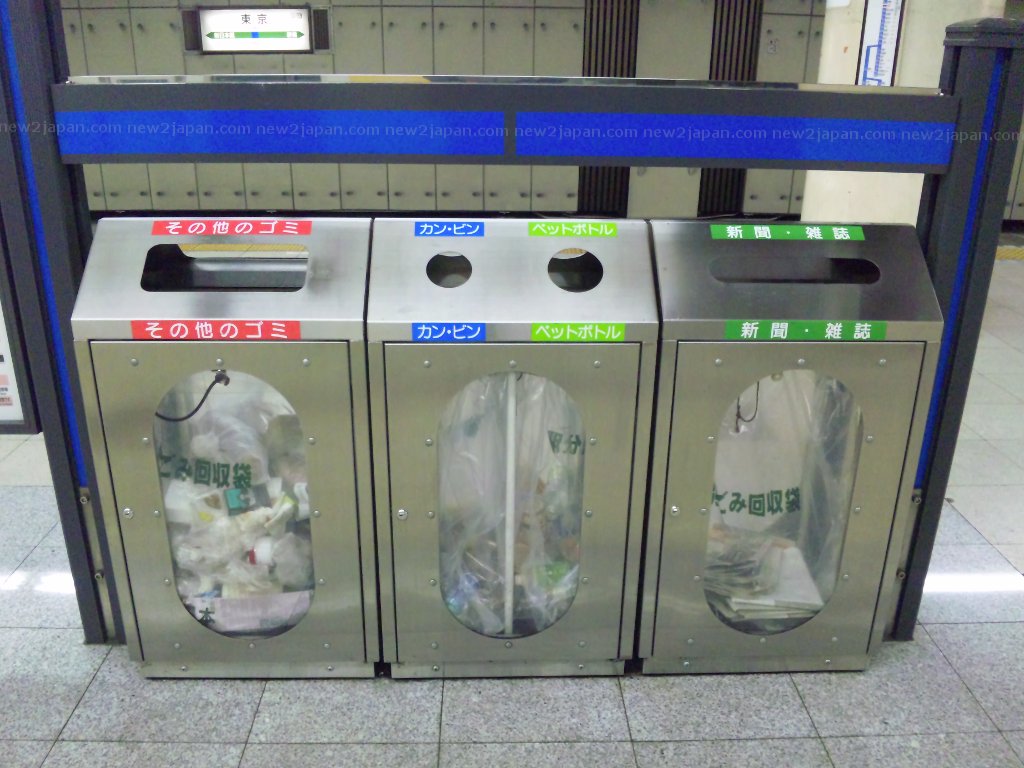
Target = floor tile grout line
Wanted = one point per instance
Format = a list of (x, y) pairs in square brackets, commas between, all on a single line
[(807, 711), (629, 727), (440, 723), (78, 703), (255, 714)]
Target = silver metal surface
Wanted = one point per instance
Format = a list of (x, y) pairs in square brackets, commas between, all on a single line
[(509, 669), (329, 305), (509, 288)]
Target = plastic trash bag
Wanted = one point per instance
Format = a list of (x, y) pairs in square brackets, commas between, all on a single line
[(784, 472), (497, 585), (237, 506)]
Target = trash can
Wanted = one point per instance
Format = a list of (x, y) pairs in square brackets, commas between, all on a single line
[(223, 366), (796, 369), (511, 373)]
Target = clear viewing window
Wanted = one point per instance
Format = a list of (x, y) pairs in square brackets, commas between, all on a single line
[(511, 453), (231, 459), (784, 471)]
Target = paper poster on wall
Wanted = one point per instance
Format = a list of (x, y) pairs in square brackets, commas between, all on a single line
[(10, 402)]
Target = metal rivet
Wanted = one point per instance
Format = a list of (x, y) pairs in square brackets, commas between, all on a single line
[(686, 664), (134, 361), (431, 513), (856, 510), (883, 361), (316, 513), (311, 440), (219, 362), (402, 514), (512, 363), (327, 645), (252, 645), (434, 645), (718, 361), (330, 667), (762, 641), (177, 645), (846, 577), (870, 438), (585, 579), (582, 643), (801, 361), (580, 667), (184, 668), (156, 513), (145, 441), (426, 363), (835, 639), (167, 582), (128, 513), (433, 582), (689, 641), (305, 362), (711, 438), (593, 441), (703, 510), (508, 643), (428, 442), (321, 582), (828, 661), (597, 363), (696, 578), (674, 511), (589, 513)]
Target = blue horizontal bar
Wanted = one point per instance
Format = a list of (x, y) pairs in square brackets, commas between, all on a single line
[(245, 131), (599, 134)]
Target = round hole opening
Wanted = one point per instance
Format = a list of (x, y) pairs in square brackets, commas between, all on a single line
[(449, 269), (575, 270)]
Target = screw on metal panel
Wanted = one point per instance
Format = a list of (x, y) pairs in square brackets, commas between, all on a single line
[(593, 441), (145, 441), (316, 513), (711, 438), (311, 440), (686, 664), (703, 510), (718, 361), (828, 661), (801, 361), (83, 499), (402, 514), (305, 362), (674, 511), (589, 513), (835, 639), (177, 645), (184, 668), (689, 641), (762, 641), (917, 498), (428, 442), (582, 643), (508, 643), (433, 582), (128, 513), (426, 363), (436, 668), (431, 513), (98, 575), (585, 579), (434, 645), (219, 362), (580, 667), (167, 582), (597, 363), (856, 510), (512, 363), (846, 577), (883, 361), (901, 575), (696, 578), (870, 439), (252, 645), (330, 667), (156, 513), (327, 645)]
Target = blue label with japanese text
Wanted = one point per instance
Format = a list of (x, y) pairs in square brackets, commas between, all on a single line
[(449, 229), (449, 333)]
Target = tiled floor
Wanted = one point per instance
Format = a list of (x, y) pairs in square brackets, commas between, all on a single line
[(954, 697)]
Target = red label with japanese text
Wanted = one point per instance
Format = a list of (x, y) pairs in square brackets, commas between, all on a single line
[(232, 227), (216, 330)]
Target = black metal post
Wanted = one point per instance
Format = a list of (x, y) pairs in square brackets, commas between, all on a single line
[(959, 225)]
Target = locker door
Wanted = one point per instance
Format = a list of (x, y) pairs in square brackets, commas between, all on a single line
[(458, 41), (358, 42), (767, 191), (158, 41), (126, 186), (506, 188), (558, 43), (460, 187), (555, 188), (814, 50), (308, 64), (173, 185), (108, 42), (783, 54), (74, 40), (411, 188), (221, 186), (364, 186), (508, 41), (664, 192), (317, 186), (408, 41), (259, 64), (675, 39), (94, 187), (268, 186), (209, 64)]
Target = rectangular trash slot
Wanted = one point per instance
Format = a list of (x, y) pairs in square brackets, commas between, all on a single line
[(795, 378), (512, 371), (224, 391)]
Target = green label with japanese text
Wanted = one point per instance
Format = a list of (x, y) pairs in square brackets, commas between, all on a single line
[(573, 229), (794, 231), (804, 330), (578, 332)]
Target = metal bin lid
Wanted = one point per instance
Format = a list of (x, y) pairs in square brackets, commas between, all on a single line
[(712, 273), (511, 280), (307, 276)]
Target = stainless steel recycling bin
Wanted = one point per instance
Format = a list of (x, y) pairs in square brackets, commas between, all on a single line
[(511, 370), (223, 364), (796, 369)]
